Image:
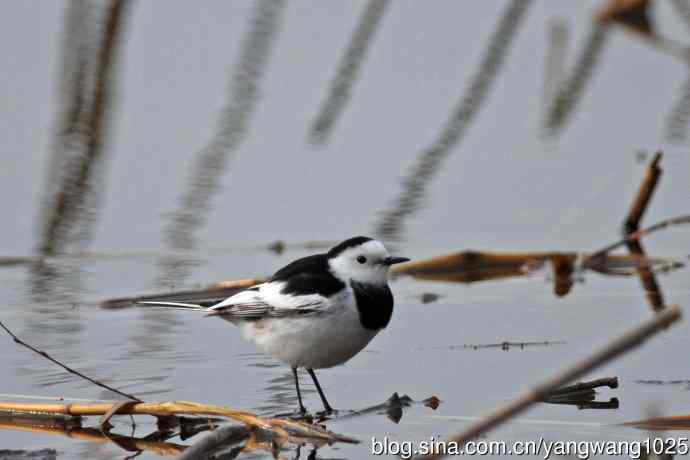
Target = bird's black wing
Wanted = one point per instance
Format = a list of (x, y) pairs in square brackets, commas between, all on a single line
[(302, 287), (309, 275)]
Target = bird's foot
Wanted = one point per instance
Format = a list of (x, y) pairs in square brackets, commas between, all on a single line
[(298, 414), (326, 414)]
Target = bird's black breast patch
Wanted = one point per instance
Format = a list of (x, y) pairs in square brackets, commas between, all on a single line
[(309, 275), (374, 303)]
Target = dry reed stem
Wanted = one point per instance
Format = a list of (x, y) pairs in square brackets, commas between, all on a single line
[(473, 266), (279, 427), (632, 223), (674, 422), (644, 195), (614, 349)]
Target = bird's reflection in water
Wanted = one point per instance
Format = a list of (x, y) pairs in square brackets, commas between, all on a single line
[(278, 394)]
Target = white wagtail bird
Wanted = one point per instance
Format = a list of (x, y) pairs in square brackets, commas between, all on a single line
[(316, 312)]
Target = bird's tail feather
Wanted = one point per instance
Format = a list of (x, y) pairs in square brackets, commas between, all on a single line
[(173, 305)]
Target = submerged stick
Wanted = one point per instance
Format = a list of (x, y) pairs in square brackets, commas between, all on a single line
[(614, 349), (65, 367)]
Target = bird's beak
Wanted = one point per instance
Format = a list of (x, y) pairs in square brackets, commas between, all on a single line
[(395, 260)]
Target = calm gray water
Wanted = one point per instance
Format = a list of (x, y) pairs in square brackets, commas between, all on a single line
[(502, 186)]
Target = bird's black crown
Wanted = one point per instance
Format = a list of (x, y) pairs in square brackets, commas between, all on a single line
[(350, 243)]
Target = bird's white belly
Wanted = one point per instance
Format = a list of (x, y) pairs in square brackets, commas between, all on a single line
[(311, 341)]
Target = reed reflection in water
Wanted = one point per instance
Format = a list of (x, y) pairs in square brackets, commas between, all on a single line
[(389, 224)]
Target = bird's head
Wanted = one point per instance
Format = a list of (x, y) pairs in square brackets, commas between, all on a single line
[(363, 260)]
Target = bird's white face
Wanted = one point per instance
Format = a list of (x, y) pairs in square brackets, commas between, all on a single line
[(365, 263)]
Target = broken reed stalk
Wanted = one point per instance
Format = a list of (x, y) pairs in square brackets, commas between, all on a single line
[(611, 382), (614, 349), (279, 427), (644, 195), (632, 223), (65, 367)]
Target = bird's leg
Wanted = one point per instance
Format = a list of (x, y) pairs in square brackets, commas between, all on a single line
[(302, 409), (326, 406)]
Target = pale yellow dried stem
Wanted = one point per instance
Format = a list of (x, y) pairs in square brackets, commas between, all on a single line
[(280, 427)]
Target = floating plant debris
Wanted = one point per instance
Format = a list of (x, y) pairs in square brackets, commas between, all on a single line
[(506, 345), (583, 394), (664, 382), (614, 349)]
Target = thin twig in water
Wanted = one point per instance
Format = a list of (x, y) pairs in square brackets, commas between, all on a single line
[(593, 258), (618, 347), (65, 367)]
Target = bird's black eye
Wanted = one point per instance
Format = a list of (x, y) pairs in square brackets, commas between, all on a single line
[(361, 259)]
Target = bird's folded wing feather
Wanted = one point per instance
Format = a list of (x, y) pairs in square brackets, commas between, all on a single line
[(268, 300)]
